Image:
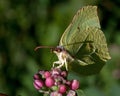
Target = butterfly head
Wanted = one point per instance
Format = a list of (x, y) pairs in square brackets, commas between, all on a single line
[(58, 49)]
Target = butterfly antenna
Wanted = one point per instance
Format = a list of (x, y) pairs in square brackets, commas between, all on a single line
[(38, 47)]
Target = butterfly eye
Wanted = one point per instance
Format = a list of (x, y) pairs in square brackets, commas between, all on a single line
[(58, 50)]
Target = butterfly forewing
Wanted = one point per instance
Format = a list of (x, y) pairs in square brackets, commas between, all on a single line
[(76, 32)]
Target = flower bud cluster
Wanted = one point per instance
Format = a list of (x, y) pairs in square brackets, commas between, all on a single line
[(55, 83)]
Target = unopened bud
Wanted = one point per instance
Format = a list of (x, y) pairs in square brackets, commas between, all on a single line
[(71, 93), (64, 73), (36, 76), (55, 94), (62, 89), (47, 74), (75, 84), (49, 82), (38, 84)]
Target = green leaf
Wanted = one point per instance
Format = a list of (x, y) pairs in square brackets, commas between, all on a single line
[(80, 93)]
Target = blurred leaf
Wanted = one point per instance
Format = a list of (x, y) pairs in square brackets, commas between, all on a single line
[(93, 91), (117, 39), (80, 93)]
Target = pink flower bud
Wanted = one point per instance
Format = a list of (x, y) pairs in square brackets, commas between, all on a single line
[(41, 72), (68, 83), (64, 73), (38, 84), (49, 82), (55, 94), (71, 93), (62, 89), (56, 71), (36, 76), (47, 74), (75, 84)]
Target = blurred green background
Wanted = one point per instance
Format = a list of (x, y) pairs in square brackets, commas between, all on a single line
[(25, 24)]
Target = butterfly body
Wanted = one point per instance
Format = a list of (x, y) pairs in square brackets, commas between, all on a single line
[(64, 58)]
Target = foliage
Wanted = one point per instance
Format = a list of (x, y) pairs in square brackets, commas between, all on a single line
[(25, 24)]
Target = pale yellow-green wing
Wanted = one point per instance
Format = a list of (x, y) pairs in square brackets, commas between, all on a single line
[(93, 52), (86, 17), (94, 45)]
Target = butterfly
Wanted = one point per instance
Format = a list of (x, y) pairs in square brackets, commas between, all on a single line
[(82, 47)]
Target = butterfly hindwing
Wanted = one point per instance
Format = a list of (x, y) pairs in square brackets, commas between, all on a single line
[(95, 43), (93, 52)]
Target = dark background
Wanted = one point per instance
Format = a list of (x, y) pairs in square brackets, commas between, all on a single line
[(25, 24)]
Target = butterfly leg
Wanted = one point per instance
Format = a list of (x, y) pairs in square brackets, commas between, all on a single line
[(60, 64), (63, 63), (56, 62), (66, 65)]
